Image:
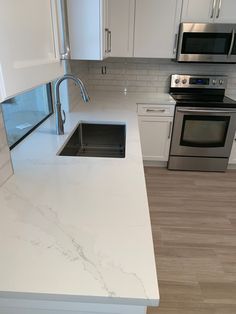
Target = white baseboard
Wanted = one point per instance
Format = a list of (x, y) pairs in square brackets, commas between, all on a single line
[(160, 164), (231, 166)]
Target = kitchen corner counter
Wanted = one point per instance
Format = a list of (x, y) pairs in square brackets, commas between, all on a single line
[(78, 228)]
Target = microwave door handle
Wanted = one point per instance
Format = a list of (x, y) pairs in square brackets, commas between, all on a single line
[(232, 43), (204, 111)]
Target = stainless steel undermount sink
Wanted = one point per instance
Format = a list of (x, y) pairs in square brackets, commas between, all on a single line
[(96, 140)]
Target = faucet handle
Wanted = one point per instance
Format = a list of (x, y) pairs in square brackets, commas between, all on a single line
[(64, 117)]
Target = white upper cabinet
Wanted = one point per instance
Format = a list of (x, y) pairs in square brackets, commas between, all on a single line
[(121, 25), (90, 37), (29, 54), (226, 11), (209, 11), (101, 28), (156, 28), (202, 11)]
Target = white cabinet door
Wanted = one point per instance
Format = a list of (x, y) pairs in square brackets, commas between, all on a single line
[(121, 25), (198, 11), (29, 53), (156, 26), (88, 29), (155, 134), (226, 11), (232, 158), (217, 11)]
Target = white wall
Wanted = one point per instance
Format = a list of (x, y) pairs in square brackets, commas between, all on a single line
[(5, 159)]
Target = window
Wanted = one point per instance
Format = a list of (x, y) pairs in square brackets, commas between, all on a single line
[(23, 113)]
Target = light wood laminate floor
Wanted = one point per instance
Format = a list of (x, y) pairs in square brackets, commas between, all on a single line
[(193, 218)]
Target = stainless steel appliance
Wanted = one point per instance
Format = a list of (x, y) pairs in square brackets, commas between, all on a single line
[(204, 123), (200, 42)]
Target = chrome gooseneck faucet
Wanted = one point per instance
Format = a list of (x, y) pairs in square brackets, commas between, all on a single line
[(59, 120)]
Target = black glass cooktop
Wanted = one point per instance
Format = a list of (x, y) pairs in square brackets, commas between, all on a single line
[(204, 100)]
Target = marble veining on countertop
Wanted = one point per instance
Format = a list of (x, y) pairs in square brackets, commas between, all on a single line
[(79, 227)]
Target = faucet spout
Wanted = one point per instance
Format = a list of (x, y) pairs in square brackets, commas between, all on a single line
[(59, 120)]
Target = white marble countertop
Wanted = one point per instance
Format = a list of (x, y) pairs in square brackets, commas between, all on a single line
[(78, 228)]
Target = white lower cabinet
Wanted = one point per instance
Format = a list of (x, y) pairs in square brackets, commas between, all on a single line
[(232, 158), (155, 129)]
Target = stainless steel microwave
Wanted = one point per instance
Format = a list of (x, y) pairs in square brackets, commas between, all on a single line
[(212, 43)]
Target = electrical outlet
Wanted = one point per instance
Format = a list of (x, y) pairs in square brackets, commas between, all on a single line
[(104, 70)]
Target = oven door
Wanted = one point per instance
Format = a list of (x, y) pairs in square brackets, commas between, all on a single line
[(203, 132), (199, 42)]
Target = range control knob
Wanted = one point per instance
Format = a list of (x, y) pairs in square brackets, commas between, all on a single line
[(221, 82), (214, 82), (184, 81), (176, 81)]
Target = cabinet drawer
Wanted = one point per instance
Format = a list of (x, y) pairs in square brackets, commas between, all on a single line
[(156, 110)]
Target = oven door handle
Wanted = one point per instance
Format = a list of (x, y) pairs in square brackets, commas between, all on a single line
[(204, 111)]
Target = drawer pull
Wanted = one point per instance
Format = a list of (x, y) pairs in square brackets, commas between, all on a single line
[(155, 110)]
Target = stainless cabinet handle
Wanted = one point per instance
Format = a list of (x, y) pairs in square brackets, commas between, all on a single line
[(213, 9), (66, 55), (64, 30), (219, 8), (175, 44), (155, 110), (232, 43), (204, 111), (170, 129), (106, 40), (109, 38)]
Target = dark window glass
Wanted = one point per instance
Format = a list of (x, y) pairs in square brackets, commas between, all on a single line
[(23, 113), (203, 131), (206, 43)]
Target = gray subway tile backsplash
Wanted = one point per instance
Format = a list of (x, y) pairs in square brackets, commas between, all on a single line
[(144, 75)]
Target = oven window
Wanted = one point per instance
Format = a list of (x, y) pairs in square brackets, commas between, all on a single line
[(204, 131), (206, 43)]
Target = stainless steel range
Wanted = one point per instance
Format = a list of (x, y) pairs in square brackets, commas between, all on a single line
[(204, 123)]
